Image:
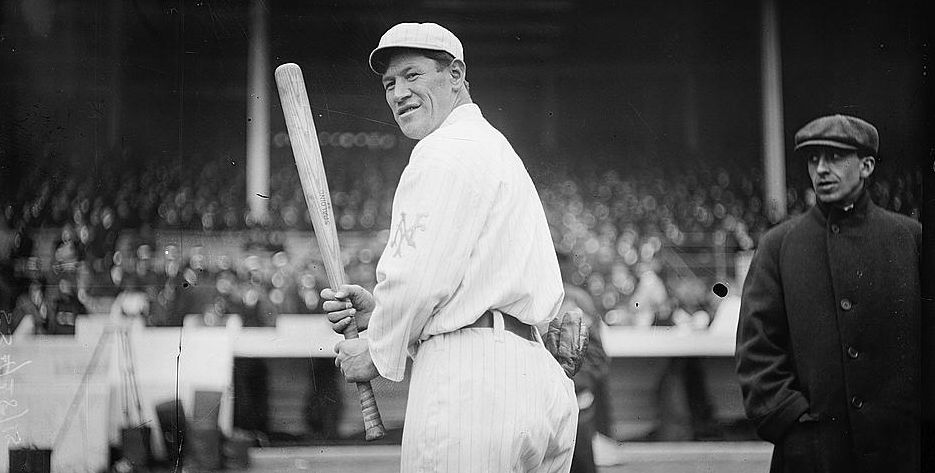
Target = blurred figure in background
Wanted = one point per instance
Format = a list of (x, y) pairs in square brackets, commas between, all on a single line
[(69, 252), (166, 304), (7, 281), (251, 406), (25, 264), (33, 308), (284, 291), (324, 403), (131, 303), (257, 308), (148, 281), (590, 381), (66, 308), (325, 397), (650, 299), (684, 405)]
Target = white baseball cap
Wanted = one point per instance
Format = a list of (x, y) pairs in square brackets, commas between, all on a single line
[(416, 35)]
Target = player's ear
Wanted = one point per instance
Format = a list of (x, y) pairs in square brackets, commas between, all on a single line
[(458, 71), (867, 165)]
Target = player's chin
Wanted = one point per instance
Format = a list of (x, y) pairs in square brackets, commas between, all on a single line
[(413, 129)]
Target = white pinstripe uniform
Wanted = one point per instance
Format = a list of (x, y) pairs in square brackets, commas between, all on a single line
[(469, 234)]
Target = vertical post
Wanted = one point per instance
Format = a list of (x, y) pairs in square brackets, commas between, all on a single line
[(548, 133), (115, 59), (690, 118), (720, 255), (258, 100), (774, 161)]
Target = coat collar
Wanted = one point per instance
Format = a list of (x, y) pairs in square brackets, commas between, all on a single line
[(855, 213)]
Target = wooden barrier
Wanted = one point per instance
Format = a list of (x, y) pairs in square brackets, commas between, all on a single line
[(177, 361), (40, 378)]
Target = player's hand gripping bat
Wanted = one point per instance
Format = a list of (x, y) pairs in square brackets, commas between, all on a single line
[(304, 139)]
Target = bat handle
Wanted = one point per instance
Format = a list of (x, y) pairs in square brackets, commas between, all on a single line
[(373, 424)]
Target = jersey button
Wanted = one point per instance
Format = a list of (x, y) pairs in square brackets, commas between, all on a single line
[(835, 228), (853, 353), (857, 402), (846, 304)]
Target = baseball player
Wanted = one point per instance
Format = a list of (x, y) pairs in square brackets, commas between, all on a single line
[(468, 271)]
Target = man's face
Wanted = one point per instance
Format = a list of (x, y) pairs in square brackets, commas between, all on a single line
[(419, 95), (837, 174)]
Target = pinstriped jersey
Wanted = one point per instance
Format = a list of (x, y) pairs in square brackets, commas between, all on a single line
[(468, 234)]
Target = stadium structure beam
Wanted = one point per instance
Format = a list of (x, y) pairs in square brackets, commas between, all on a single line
[(114, 130), (774, 159), (258, 112)]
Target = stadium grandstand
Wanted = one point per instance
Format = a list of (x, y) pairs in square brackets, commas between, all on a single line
[(148, 190)]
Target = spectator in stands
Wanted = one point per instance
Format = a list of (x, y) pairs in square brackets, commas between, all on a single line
[(165, 307), (25, 264), (131, 302), (195, 286), (650, 299), (228, 299), (105, 233), (257, 308), (284, 292), (7, 282), (69, 252), (828, 345), (32, 309), (66, 308)]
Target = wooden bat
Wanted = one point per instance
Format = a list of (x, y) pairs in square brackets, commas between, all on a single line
[(305, 147)]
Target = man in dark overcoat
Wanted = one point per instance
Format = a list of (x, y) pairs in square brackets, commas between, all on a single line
[(828, 344)]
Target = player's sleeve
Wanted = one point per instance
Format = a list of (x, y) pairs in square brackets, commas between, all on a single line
[(437, 217), (764, 364)]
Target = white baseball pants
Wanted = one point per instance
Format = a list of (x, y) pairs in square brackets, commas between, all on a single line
[(485, 400)]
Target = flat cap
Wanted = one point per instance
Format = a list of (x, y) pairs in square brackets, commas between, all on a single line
[(839, 131), (415, 35)]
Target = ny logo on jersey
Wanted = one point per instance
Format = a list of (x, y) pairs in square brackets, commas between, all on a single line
[(405, 233)]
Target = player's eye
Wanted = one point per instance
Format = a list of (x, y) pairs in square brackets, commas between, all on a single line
[(388, 85), (412, 75)]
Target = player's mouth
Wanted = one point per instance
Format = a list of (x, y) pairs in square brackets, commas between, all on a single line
[(826, 185), (407, 109)]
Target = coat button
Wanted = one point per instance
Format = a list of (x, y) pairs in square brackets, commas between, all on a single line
[(846, 304), (852, 352), (857, 402), (835, 228)]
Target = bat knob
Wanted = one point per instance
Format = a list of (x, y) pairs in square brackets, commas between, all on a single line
[(375, 433)]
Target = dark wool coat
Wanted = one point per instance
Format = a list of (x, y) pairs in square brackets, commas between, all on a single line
[(830, 327)]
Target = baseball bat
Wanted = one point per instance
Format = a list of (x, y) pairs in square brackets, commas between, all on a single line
[(305, 147)]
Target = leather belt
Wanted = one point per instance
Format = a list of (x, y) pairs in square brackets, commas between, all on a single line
[(510, 324)]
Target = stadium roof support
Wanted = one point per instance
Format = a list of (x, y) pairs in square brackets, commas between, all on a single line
[(258, 119), (774, 160)]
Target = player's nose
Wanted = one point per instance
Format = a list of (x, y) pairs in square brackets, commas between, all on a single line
[(401, 92)]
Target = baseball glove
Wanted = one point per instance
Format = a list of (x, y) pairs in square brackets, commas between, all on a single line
[(567, 340)]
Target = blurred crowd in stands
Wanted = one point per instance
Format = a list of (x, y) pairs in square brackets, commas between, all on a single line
[(647, 244)]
